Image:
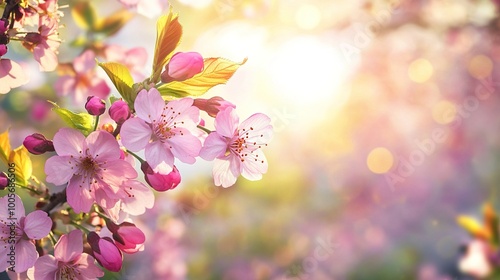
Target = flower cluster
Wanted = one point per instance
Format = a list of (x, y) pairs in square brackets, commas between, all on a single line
[(95, 161)]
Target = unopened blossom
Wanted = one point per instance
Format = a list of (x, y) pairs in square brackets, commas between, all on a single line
[(91, 166), (213, 105), (105, 252), (68, 261), (163, 130), (82, 80), (475, 261), (128, 238), (182, 66), (95, 106), (161, 182), (237, 149), (44, 43), (36, 225), (37, 144), (119, 111), (4, 180)]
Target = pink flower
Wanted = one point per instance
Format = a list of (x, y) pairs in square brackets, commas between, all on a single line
[(11, 75), (133, 198), (45, 43), (237, 149), (161, 182), (213, 105), (37, 144), (134, 59), (83, 80), (91, 165), (105, 252), (68, 262), (164, 130), (95, 106), (182, 66), (24, 229), (128, 238), (148, 8)]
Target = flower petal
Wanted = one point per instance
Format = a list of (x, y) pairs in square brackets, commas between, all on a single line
[(159, 157), (45, 268), (135, 134), (215, 145), (26, 255), (12, 75), (69, 247), (37, 224), (79, 195), (141, 198), (259, 128), (6, 211), (85, 62), (226, 122), (185, 146), (69, 142), (226, 171), (149, 105), (253, 167), (103, 146), (58, 169), (86, 266)]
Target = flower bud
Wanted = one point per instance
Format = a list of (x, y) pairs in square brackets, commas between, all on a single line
[(161, 182), (4, 181), (213, 105), (105, 252), (3, 50), (37, 144), (95, 106), (182, 66), (119, 111), (128, 238), (4, 26)]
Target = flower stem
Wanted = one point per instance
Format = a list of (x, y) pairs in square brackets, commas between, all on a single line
[(208, 131), (96, 122), (80, 227), (136, 156), (52, 238)]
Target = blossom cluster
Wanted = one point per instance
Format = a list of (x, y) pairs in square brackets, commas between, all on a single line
[(96, 161)]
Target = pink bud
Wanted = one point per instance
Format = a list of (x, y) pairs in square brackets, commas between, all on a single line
[(213, 105), (119, 111), (3, 50), (95, 106), (182, 66), (161, 182), (128, 238), (105, 252), (37, 144), (4, 25), (4, 180)]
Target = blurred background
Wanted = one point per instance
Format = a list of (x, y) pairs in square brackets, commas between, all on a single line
[(385, 131)]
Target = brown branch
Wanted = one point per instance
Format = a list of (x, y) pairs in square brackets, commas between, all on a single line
[(55, 200)]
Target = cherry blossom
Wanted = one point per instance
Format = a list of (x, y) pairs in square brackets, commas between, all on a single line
[(163, 130), (237, 148), (128, 238), (182, 66), (45, 43), (68, 261), (135, 59), (12, 75), (105, 252), (35, 225)]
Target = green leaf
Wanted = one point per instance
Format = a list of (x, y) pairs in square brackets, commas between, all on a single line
[(168, 37), (23, 166), (81, 121), (5, 148), (217, 71), (121, 78), (84, 14), (113, 23)]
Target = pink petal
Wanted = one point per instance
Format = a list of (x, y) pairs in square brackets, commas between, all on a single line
[(45, 268), (137, 57), (149, 105), (18, 210), (12, 75), (135, 134), (142, 198), (26, 255), (114, 53), (262, 130), (85, 62), (69, 247), (86, 265), (253, 168), (78, 194), (226, 171), (185, 146), (37, 224), (69, 142), (150, 8), (99, 87), (159, 157), (189, 115), (226, 122), (46, 57), (118, 171), (65, 85), (103, 146), (129, 2), (214, 146), (59, 170)]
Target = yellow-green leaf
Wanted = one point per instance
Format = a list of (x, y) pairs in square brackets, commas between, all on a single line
[(81, 121), (491, 222), (113, 23), (84, 14), (168, 37), (121, 78), (23, 166), (474, 228), (217, 71), (5, 148)]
